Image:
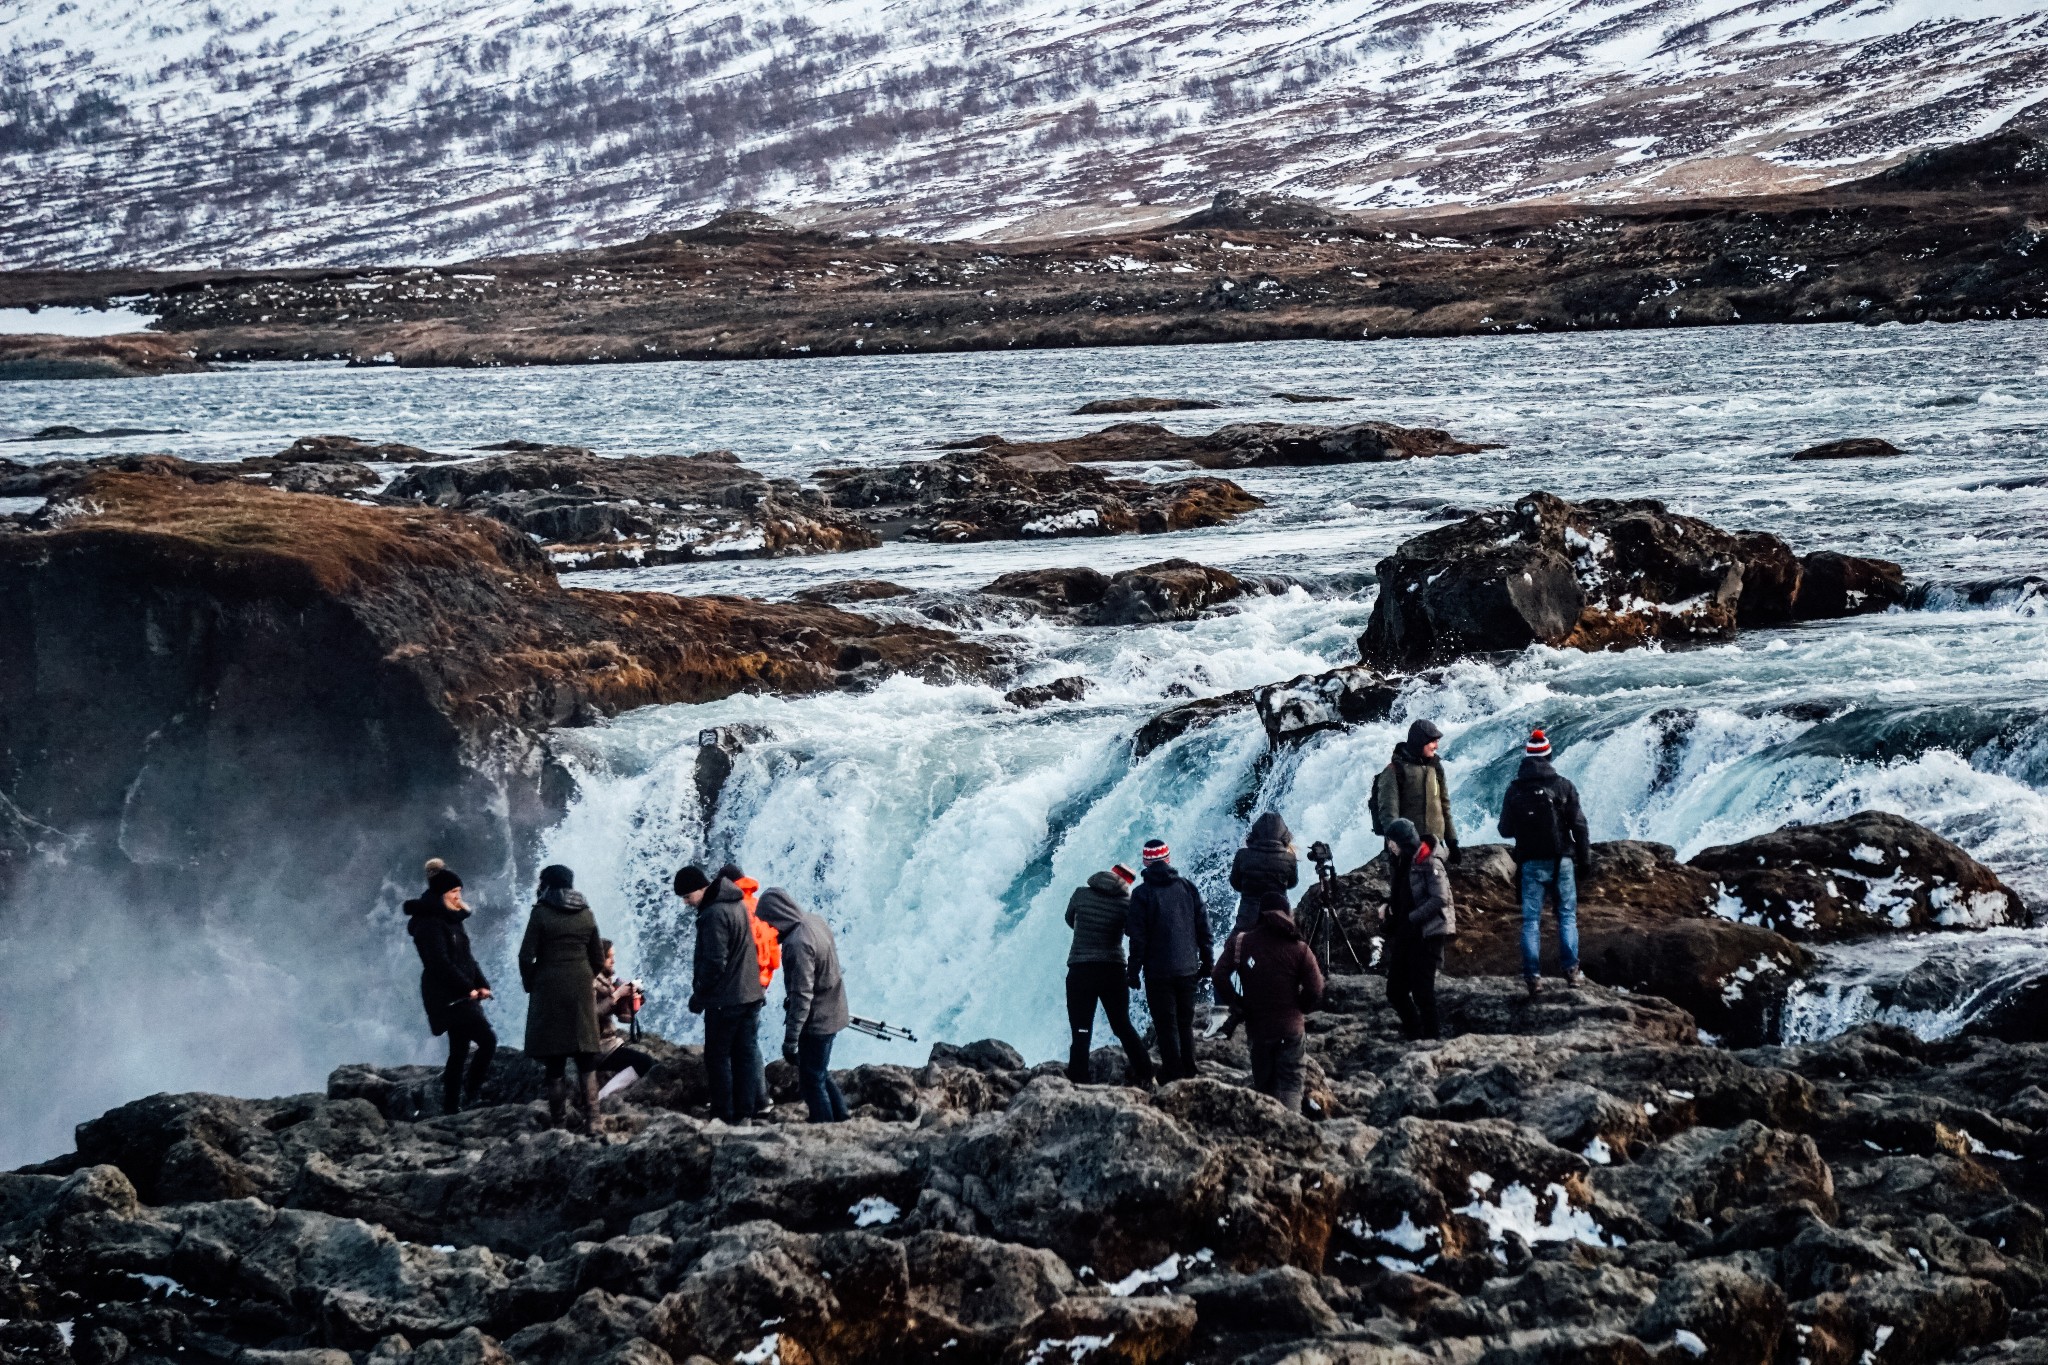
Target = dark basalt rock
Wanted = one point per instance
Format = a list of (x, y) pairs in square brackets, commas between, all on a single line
[(851, 590), (333, 449), (1598, 575), (1105, 406), (1308, 705), (1176, 721), (1234, 209), (1241, 445), (1059, 689), (1312, 398), (1569, 1178), (1171, 590), (1870, 873), (595, 512), (1007, 496), (70, 433), (1854, 448)]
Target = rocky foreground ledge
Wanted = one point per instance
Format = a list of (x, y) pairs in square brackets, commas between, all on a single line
[(1570, 1179)]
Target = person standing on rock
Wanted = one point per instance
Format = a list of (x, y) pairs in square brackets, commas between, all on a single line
[(559, 960), (1541, 814), (814, 1008), (725, 987), (1098, 913), (452, 986), (1420, 918), (1412, 787), (767, 952), (1266, 864), (1276, 982), (1170, 953)]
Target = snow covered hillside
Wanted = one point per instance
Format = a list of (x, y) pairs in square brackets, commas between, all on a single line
[(196, 132)]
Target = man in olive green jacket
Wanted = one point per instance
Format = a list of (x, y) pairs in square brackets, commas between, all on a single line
[(1412, 788)]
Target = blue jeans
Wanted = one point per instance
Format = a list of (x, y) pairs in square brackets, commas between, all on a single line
[(814, 1079), (1538, 878), (732, 1060)]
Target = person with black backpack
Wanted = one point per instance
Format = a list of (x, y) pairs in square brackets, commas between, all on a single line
[(1541, 814)]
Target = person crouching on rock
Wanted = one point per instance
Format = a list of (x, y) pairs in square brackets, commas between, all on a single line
[(1170, 951), (559, 960), (814, 1008), (1420, 917), (1276, 982), (452, 986), (618, 1065), (1099, 913), (1541, 814), (725, 987), (1412, 787), (1266, 863)]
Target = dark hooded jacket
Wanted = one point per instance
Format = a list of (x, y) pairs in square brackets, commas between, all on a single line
[(1169, 926), (559, 959), (1277, 979), (725, 967), (1267, 862), (1541, 814), (814, 989), (448, 969), (1413, 788), (1098, 913), (1419, 904)]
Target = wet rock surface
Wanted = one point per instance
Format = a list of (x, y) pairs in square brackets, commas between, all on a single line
[(1570, 1177), (1601, 574), (990, 495), (1243, 445), (1104, 406), (1852, 448), (593, 512), (1870, 873), (1171, 590)]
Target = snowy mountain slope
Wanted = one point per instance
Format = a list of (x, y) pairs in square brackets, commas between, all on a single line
[(191, 132)]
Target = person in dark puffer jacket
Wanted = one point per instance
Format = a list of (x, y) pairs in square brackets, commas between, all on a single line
[(559, 960), (1412, 787), (1420, 918), (1276, 982), (452, 986), (1266, 864), (1170, 953), (725, 987), (1541, 813), (1098, 913)]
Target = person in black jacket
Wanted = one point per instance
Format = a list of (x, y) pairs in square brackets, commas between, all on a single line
[(1541, 814), (1267, 864), (452, 986), (1420, 917), (1099, 913), (1170, 954), (725, 987)]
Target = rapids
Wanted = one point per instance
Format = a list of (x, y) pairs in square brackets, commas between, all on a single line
[(941, 829)]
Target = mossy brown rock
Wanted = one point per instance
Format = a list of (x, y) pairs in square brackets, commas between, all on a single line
[(128, 356), (1242, 445), (210, 675)]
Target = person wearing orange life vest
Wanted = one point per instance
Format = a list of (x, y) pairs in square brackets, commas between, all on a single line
[(768, 950)]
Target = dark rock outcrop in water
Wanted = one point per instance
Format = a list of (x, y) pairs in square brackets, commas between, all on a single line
[(595, 512), (1867, 874), (66, 432), (1854, 448), (213, 676), (1171, 590), (1571, 1178), (991, 495), (1106, 406), (1242, 445), (1600, 574)]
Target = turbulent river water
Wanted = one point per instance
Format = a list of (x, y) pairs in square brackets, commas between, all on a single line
[(941, 829)]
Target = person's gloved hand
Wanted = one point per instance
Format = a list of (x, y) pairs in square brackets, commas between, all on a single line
[(696, 1005), (1134, 976), (1208, 965), (1454, 852), (789, 1053)]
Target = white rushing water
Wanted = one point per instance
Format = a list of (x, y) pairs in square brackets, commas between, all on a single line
[(941, 830)]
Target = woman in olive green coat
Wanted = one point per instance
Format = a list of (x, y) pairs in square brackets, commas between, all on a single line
[(558, 958)]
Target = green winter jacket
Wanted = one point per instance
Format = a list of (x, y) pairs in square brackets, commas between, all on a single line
[(1414, 789), (559, 958)]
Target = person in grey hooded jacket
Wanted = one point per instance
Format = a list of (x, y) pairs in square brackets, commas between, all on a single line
[(1266, 864), (814, 1000)]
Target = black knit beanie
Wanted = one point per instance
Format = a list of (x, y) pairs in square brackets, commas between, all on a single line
[(691, 879), (441, 879), (554, 874)]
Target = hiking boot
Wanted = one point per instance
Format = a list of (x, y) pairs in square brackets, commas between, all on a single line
[(1535, 984), (1575, 977), (558, 1102)]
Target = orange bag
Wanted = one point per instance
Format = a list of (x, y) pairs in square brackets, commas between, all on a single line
[(767, 943)]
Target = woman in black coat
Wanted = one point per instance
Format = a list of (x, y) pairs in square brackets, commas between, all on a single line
[(452, 986), (1266, 863)]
